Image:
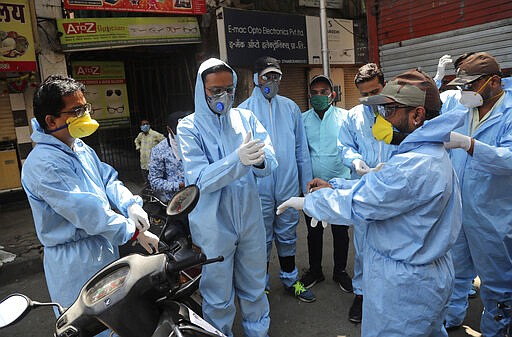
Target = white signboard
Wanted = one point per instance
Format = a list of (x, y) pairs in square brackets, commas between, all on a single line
[(340, 33), (336, 4)]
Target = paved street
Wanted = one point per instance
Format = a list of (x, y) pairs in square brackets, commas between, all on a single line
[(327, 317)]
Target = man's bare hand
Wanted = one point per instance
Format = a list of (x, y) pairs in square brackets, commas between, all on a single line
[(317, 184)]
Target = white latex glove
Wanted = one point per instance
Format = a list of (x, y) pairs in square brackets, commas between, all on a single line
[(139, 216), (443, 62), (149, 241), (295, 202), (251, 151), (314, 223), (360, 166), (458, 140)]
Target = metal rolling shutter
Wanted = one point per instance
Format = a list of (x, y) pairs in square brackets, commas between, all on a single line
[(493, 37), (7, 131), (351, 93), (294, 85)]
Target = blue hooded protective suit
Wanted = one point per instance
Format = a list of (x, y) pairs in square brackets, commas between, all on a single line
[(283, 120), (356, 141), (72, 193), (227, 220), (482, 248), (411, 209)]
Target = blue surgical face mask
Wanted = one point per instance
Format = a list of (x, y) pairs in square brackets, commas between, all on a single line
[(145, 128), (269, 89), (220, 104)]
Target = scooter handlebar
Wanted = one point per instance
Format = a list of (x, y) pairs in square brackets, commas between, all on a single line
[(191, 261)]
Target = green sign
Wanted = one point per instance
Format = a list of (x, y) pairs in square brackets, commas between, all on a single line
[(106, 33)]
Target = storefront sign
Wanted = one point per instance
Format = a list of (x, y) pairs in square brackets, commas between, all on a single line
[(105, 89), (246, 35), (153, 6), (340, 40), (106, 33), (17, 53), (336, 4)]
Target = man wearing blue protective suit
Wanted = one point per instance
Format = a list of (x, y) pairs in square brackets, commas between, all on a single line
[(72, 193), (322, 123), (411, 209), (482, 157), (360, 151), (282, 118), (223, 151)]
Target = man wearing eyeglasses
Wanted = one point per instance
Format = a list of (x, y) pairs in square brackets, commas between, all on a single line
[(283, 120), (361, 151), (72, 193), (482, 157), (411, 212), (224, 150)]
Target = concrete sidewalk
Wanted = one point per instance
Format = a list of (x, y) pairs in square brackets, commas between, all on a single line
[(21, 253)]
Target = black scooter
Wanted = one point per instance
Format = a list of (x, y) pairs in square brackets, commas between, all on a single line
[(135, 296)]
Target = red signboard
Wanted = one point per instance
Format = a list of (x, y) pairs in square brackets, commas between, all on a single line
[(152, 6)]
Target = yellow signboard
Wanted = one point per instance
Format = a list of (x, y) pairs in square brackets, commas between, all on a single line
[(105, 89), (17, 52), (103, 33)]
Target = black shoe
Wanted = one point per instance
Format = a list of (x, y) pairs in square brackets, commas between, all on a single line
[(355, 314), (344, 281), (310, 278)]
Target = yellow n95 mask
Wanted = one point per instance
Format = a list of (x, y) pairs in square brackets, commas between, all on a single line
[(83, 126), (382, 130)]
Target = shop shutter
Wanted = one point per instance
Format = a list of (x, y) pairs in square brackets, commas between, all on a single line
[(351, 93), (7, 131), (417, 33), (294, 85)]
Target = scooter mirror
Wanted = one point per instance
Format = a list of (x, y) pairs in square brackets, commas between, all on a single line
[(184, 201), (13, 308)]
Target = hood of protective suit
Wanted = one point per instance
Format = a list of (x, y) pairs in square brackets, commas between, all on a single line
[(201, 106), (41, 137), (435, 130)]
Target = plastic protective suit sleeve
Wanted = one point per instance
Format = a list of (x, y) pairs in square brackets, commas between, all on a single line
[(85, 210), (214, 176), (495, 159), (302, 152), (117, 193), (347, 146), (282, 118), (341, 183)]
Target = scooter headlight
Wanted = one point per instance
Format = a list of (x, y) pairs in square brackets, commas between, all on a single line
[(107, 285)]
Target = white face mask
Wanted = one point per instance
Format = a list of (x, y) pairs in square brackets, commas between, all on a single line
[(471, 99), (174, 146)]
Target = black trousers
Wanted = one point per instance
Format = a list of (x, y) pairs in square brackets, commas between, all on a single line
[(315, 246)]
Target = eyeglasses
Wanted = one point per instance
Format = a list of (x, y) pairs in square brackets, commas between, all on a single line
[(217, 91), (115, 110), (271, 77), (323, 92), (470, 85), (80, 111), (389, 109), (111, 92)]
